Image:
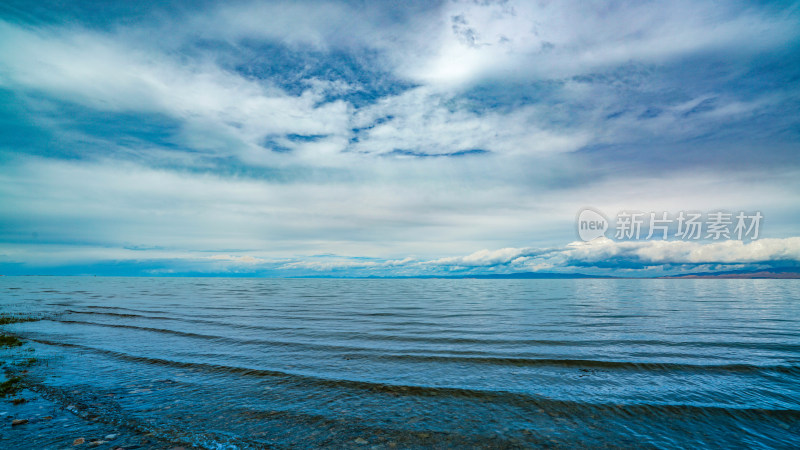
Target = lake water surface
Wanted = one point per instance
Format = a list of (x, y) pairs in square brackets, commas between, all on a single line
[(255, 363)]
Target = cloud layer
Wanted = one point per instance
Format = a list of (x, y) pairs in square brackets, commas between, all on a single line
[(253, 134)]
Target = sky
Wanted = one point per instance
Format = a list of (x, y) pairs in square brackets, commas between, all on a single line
[(351, 139)]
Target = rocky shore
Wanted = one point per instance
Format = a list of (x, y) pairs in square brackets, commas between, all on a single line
[(34, 416)]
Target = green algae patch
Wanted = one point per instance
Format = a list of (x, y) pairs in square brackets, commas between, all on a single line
[(7, 340), (10, 386)]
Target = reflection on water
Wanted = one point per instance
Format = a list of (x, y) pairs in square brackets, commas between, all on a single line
[(252, 363)]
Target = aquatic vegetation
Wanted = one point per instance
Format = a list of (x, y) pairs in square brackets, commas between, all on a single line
[(7, 340), (6, 319), (28, 362), (10, 386)]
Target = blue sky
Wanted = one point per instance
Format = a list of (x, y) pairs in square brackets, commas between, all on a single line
[(370, 138)]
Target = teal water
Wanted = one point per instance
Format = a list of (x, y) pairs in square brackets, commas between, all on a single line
[(260, 363)]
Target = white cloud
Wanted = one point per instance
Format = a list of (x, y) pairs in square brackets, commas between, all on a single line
[(115, 204), (421, 209), (484, 258), (455, 43), (225, 113), (610, 254), (221, 112), (642, 257), (560, 39), (426, 121), (729, 251), (331, 193)]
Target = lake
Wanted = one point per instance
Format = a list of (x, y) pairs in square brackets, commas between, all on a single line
[(413, 363)]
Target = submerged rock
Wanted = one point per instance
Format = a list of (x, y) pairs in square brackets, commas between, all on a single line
[(78, 441), (16, 422), (361, 441)]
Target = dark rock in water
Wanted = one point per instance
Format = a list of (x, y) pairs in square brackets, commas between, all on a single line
[(19, 422), (78, 441), (18, 401)]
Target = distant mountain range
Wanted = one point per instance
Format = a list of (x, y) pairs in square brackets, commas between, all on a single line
[(512, 276), (779, 272), (776, 273)]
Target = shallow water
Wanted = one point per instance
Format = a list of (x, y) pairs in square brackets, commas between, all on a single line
[(253, 363)]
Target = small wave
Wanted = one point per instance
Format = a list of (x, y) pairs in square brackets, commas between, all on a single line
[(458, 357), (612, 365), (180, 319), (515, 398)]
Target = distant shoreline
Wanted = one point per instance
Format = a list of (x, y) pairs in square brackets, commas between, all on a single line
[(776, 274)]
